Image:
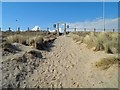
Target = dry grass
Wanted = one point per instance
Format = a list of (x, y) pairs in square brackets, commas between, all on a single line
[(9, 47), (90, 40), (106, 63), (77, 38), (107, 41), (6, 45), (36, 42), (16, 39), (30, 38)]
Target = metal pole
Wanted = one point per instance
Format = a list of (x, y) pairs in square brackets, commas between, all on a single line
[(104, 13)]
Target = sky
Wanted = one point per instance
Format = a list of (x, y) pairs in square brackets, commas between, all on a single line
[(59, 0), (45, 14)]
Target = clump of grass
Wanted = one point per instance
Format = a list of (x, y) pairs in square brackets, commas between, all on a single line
[(76, 38), (36, 42), (106, 63), (111, 45), (16, 39), (35, 53), (81, 33), (106, 41), (101, 39), (99, 45), (9, 47), (90, 40), (31, 42), (6, 45), (107, 47)]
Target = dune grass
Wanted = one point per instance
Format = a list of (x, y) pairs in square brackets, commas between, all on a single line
[(106, 63), (29, 38), (107, 41), (16, 39), (36, 42)]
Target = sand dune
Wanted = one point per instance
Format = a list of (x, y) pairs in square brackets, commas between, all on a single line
[(69, 65)]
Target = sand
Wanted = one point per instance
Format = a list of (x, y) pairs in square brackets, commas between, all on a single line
[(70, 65)]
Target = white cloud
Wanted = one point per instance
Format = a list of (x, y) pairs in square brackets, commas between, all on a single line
[(36, 28), (97, 23)]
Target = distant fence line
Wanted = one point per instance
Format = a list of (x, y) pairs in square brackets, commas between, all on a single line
[(94, 29), (71, 29), (19, 29)]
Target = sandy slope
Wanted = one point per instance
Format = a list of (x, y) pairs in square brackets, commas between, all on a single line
[(0, 60), (71, 65)]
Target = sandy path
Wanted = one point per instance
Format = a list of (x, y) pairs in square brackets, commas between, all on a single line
[(69, 65)]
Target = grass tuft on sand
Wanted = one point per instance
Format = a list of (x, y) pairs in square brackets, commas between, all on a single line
[(16, 39), (101, 41), (106, 63)]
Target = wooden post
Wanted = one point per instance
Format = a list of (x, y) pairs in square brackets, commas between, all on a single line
[(28, 29), (65, 29), (85, 29), (18, 31), (75, 29), (47, 28), (9, 29), (94, 30), (18, 28), (38, 29), (113, 30), (58, 29), (104, 29)]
